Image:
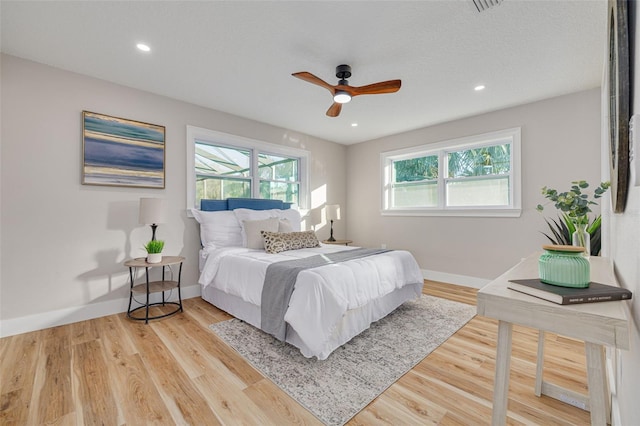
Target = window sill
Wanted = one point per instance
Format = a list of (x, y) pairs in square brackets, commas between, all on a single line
[(455, 212)]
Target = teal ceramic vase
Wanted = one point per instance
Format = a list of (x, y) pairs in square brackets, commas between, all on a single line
[(564, 266)]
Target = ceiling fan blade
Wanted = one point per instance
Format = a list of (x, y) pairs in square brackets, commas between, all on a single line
[(334, 110), (390, 86), (310, 78)]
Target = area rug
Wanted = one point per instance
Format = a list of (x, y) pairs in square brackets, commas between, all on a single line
[(336, 389)]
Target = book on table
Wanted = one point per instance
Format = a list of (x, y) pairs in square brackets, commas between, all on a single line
[(596, 292)]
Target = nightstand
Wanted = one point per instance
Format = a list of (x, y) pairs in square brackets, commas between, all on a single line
[(339, 242), (147, 287)]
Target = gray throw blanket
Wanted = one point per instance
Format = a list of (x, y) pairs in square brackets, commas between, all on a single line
[(281, 277)]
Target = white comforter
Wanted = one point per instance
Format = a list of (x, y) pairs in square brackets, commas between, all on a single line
[(322, 295)]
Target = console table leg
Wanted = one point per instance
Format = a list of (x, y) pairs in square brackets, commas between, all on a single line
[(598, 398), (503, 367), (540, 363)]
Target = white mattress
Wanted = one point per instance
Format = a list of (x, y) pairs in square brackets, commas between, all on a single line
[(329, 305)]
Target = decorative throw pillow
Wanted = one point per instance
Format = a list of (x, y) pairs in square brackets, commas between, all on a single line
[(276, 242), (253, 227)]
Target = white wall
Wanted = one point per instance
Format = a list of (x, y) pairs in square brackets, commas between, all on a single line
[(560, 143), (625, 252), (63, 243)]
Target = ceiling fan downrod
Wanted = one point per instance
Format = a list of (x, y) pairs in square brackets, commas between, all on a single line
[(343, 72)]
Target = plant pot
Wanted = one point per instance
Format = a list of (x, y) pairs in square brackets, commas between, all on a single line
[(154, 257)]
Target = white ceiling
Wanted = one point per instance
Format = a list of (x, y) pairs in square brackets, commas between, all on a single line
[(238, 56)]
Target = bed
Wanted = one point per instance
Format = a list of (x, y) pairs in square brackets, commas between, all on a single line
[(328, 305)]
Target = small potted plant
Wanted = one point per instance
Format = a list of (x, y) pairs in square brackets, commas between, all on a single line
[(154, 251)]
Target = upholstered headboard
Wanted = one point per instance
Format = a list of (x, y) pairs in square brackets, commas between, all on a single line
[(243, 203)]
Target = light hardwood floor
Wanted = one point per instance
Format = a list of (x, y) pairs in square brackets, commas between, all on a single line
[(114, 371)]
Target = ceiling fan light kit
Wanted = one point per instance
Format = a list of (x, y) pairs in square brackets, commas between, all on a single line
[(341, 97), (342, 92)]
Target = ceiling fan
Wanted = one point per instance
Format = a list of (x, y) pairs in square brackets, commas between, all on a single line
[(342, 92)]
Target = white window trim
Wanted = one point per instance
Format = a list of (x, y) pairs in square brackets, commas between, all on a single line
[(233, 141), (490, 138)]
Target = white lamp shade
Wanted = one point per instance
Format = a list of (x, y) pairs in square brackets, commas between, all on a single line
[(333, 211), (152, 211)]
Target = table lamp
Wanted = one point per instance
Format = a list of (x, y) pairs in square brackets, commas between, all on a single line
[(333, 213), (152, 212)]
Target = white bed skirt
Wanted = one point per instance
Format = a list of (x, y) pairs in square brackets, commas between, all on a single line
[(354, 322)]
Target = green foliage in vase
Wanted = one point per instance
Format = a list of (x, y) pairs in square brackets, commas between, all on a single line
[(563, 228), (574, 206), (154, 246), (574, 203)]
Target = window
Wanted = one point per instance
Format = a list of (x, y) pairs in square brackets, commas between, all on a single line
[(279, 177), (224, 166), (473, 176), (222, 172)]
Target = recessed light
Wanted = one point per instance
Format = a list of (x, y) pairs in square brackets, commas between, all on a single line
[(354, 124), (143, 47), (479, 88)]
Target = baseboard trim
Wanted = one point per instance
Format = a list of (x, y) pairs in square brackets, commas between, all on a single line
[(25, 324), (446, 277)]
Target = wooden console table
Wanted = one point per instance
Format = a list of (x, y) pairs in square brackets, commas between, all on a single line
[(597, 324)]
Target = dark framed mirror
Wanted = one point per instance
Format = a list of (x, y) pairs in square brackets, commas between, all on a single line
[(618, 101)]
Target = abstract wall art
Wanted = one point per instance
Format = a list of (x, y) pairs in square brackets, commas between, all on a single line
[(121, 152)]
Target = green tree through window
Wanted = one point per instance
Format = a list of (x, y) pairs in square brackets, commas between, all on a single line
[(416, 169)]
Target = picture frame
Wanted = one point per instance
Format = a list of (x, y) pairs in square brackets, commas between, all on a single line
[(618, 87), (122, 152)]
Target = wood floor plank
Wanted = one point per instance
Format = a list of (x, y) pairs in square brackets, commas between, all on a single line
[(114, 370), (18, 361), (278, 406), (51, 399), (84, 331), (469, 410), (93, 378), (229, 403), (205, 313), (115, 341), (415, 409), (212, 345), (17, 377), (184, 402), (136, 394)]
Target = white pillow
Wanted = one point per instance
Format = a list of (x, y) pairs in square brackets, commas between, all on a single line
[(253, 227), (247, 214), (293, 216), (285, 226), (218, 229)]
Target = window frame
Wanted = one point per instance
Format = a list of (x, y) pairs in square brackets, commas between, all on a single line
[(256, 147), (441, 149), (260, 179)]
